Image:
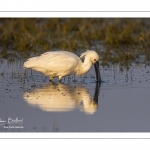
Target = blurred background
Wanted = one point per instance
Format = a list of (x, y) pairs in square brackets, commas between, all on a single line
[(117, 40)]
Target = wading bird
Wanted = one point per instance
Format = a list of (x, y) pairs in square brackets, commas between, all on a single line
[(63, 97), (63, 63)]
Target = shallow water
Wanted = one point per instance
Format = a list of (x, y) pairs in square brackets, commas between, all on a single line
[(120, 104)]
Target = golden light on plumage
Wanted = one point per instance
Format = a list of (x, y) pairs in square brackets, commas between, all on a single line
[(63, 63)]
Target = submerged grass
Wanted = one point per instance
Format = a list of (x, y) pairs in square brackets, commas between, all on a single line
[(122, 40)]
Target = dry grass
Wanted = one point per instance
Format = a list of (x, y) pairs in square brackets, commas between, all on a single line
[(123, 39)]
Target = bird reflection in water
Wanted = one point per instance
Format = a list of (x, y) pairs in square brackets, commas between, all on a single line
[(63, 97)]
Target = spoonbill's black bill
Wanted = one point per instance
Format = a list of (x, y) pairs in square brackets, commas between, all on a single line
[(97, 71)]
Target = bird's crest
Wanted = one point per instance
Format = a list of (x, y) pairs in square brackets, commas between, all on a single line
[(83, 54)]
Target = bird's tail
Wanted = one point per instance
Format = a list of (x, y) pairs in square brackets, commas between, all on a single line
[(30, 63)]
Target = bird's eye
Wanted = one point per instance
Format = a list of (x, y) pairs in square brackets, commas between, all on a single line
[(94, 59)]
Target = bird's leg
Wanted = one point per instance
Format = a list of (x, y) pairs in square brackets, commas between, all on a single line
[(60, 79), (50, 79)]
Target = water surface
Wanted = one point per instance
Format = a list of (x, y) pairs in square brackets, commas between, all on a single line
[(120, 104)]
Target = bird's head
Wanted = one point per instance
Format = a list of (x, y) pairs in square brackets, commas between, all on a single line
[(94, 58)]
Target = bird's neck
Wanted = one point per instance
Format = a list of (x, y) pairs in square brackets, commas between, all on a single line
[(86, 65)]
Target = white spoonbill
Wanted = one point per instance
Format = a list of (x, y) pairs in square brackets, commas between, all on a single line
[(63, 63), (63, 97)]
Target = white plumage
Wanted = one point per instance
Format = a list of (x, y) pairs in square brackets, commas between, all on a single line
[(61, 98), (63, 63)]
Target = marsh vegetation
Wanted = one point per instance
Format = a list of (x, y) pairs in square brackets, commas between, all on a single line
[(117, 40)]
